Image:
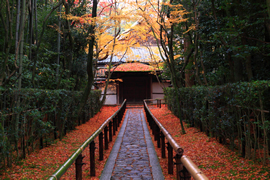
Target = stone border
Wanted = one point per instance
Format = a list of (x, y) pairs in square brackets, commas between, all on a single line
[(108, 169), (154, 162)]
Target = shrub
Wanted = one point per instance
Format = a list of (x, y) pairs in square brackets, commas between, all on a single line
[(35, 117), (238, 111)]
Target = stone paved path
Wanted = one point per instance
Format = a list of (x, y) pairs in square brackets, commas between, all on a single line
[(132, 160)]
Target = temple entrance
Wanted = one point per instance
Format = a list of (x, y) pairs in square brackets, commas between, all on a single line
[(135, 89)]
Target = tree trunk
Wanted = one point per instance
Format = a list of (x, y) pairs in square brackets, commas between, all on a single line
[(109, 71), (69, 53), (21, 43), (7, 43), (36, 28), (58, 44), (31, 15), (17, 24), (196, 46), (204, 77), (238, 70), (249, 67), (268, 7), (189, 80), (40, 40), (20, 72), (89, 60), (224, 43), (176, 82)]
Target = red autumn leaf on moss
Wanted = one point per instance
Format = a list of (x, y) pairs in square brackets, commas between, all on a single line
[(42, 163), (216, 160)]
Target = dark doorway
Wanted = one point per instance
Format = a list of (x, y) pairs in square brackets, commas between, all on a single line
[(135, 89)]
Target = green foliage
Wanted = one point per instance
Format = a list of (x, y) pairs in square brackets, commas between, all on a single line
[(231, 111), (42, 114), (72, 66), (233, 40)]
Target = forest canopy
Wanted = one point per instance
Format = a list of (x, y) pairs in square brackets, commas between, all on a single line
[(44, 43)]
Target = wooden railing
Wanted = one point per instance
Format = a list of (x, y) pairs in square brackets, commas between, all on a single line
[(110, 125), (156, 102), (184, 166)]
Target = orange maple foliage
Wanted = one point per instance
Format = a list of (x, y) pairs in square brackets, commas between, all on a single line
[(42, 163), (213, 158)]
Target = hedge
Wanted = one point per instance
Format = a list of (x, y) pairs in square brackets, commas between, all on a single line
[(33, 118), (237, 114)]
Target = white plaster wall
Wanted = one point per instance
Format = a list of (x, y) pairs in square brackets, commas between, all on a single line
[(156, 88), (157, 96), (157, 91), (110, 99)]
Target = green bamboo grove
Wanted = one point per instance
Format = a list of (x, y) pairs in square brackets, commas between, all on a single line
[(236, 114), (42, 117)]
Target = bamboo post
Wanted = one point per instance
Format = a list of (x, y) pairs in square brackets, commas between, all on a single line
[(149, 120), (158, 137), (116, 122), (170, 158), (146, 114), (184, 174), (163, 145), (188, 168), (114, 126), (181, 171), (179, 166), (159, 103), (78, 166), (152, 124), (110, 131), (100, 146), (120, 116), (92, 158), (106, 137), (155, 131)]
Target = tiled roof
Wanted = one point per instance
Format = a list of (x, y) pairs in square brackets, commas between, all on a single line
[(133, 67), (136, 54)]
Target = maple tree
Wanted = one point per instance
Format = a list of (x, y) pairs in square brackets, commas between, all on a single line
[(169, 22), (110, 39), (161, 17)]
